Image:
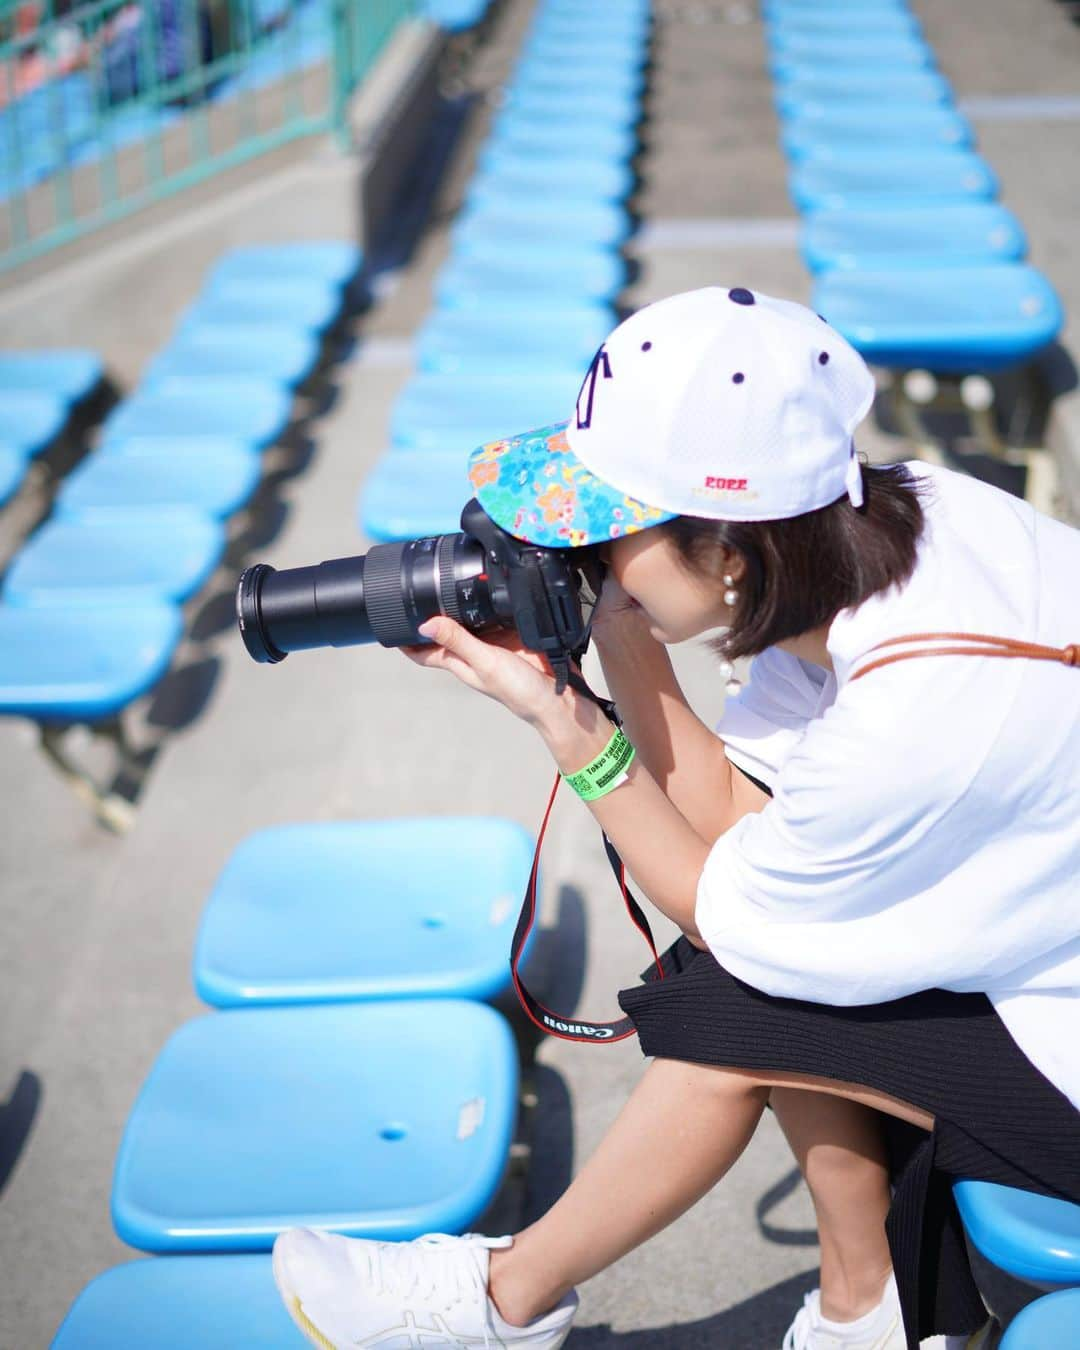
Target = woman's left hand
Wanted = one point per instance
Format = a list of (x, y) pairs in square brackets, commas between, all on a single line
[(498, 665)]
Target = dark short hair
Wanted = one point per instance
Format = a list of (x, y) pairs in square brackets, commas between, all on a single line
[(801, 572)]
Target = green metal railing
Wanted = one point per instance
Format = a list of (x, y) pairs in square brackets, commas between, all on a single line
[(114, 105)]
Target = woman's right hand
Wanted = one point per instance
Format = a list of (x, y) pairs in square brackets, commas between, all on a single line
[(616, 615)]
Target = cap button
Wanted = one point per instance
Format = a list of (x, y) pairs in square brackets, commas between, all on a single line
[(741, 296)]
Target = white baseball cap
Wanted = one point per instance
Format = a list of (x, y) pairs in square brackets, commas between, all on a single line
[(726, 404)]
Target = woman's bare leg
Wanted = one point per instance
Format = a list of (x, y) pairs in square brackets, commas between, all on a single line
[(681, 1130), (678, 1134), (840, 1150)]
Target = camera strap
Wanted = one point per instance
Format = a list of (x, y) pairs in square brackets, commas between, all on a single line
[(555, 1024)]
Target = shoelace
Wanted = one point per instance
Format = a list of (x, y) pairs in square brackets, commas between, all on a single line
[(437, 1268), (798, 1334)]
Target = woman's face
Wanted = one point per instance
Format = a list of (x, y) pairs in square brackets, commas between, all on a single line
[(676, 603)]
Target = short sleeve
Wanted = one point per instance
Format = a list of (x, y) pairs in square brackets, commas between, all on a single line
[(765, 721)]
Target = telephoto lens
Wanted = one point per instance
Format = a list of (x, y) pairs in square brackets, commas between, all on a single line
[(483, 577), (383, 596)]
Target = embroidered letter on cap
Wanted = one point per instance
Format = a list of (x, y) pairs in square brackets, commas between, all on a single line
[(588, 388)]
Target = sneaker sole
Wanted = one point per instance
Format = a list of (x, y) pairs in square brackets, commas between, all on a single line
[(296, 1310)]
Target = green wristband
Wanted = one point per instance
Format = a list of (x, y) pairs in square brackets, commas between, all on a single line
[(606, 772)]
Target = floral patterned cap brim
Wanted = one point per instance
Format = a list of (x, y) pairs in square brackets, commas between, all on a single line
[(537, 489)]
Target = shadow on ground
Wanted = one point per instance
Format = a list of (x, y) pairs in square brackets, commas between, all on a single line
[(17, 1116), (758, 1323)]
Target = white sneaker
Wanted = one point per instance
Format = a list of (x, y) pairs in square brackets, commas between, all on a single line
[(882, 1328), (349, 1292)]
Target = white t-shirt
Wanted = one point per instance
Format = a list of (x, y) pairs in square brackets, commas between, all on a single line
[(925, 828)]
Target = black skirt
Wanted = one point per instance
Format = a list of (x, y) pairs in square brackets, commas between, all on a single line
[(997, 1118)]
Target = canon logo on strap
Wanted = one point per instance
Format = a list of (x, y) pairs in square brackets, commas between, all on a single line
[(579, 1028)]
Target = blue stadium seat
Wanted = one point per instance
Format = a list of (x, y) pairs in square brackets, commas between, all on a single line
[(772, 10), (31, 420), (959, 319), (868, 178), (843, 20), (537, 223), (463, 341), (180, 1303), (836, 133), (615, 141), (570, 30), (813, 28), (536, 114), (386, 1119), (254, 411), (68, 374), (541, 202), (617, 106), (327, 261), (82, 665), (582, 22), (512, 276), (13, 466), (215, 476), (911, 236), (823, 55), (626, 48), (1048, 1322), (574, 12), (455, 413), (454, 15), (347, 911), (164, 554), (1030, 1236), (267, 350), (797, 97), (597, 266), (309, 304), (585, 74), (569, 177), (412, 493)]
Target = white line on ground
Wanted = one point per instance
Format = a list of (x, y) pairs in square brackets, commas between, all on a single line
[(1023, 108), (716, 232)]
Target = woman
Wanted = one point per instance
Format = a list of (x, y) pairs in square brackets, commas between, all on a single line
[(887, 952)]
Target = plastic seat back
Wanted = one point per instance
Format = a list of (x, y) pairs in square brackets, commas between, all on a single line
[(1050, 1321), (179, 1303), (412, 493), (341, 910), (865, 178), (951, 320), (881, 239), (148, 556), (83, 665), (456, 413), (385, 1119), (1031, 1236)]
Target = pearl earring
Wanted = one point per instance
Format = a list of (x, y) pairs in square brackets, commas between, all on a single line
[(732, 686), (731, 595)]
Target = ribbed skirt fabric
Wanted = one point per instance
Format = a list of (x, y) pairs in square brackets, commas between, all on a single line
[(997, 1118)]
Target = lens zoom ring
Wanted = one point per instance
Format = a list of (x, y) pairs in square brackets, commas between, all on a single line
[(447, 577), (384, 596)]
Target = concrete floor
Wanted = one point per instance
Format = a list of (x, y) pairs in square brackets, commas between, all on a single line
[(98, 930)]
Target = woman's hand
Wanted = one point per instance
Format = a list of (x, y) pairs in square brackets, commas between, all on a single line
[(498, 665), (618, 619)]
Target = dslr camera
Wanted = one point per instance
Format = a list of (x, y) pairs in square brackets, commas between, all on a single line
[(482, 577)]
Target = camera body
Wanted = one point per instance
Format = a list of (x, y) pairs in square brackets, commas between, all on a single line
[(483, 578)]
